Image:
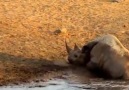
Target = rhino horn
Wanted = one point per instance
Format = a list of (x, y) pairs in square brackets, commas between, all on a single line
[(67, 47)]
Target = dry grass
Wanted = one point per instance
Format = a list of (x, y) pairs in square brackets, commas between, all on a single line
[(27, 31)]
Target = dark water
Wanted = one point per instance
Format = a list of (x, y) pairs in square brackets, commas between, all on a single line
[(60, 84)]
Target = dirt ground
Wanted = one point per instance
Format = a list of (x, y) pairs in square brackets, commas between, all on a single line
[(32, 45)]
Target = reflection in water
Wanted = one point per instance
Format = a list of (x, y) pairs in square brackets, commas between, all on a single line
[(59, 84)]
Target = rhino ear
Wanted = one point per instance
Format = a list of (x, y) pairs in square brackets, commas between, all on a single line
[(76, 47), (67, 47)]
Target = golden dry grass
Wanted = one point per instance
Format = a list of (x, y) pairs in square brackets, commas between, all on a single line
[(27, 31)]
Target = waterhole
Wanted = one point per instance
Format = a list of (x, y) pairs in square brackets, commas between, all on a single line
[(60, 84)]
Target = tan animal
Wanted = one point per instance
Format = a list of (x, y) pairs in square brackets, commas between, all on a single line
[(105, 54)]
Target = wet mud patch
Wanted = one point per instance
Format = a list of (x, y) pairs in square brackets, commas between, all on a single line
[(18, 69), (61, 84), (72, 78)]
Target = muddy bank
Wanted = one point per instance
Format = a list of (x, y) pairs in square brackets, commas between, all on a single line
[(56, 77), (65, 84), (18, 69)]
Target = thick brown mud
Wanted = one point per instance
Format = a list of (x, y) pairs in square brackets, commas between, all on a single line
[(61, 84), (73, 78)]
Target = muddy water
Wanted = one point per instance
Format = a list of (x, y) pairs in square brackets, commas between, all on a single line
[(70, 79), (60, 84)]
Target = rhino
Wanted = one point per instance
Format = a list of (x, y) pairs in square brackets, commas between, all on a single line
[(105, 56)]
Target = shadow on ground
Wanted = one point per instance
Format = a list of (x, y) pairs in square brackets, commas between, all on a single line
[(20, 69)]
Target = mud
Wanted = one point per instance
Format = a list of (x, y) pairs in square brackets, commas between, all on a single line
[(61, 84), (72, 78)]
